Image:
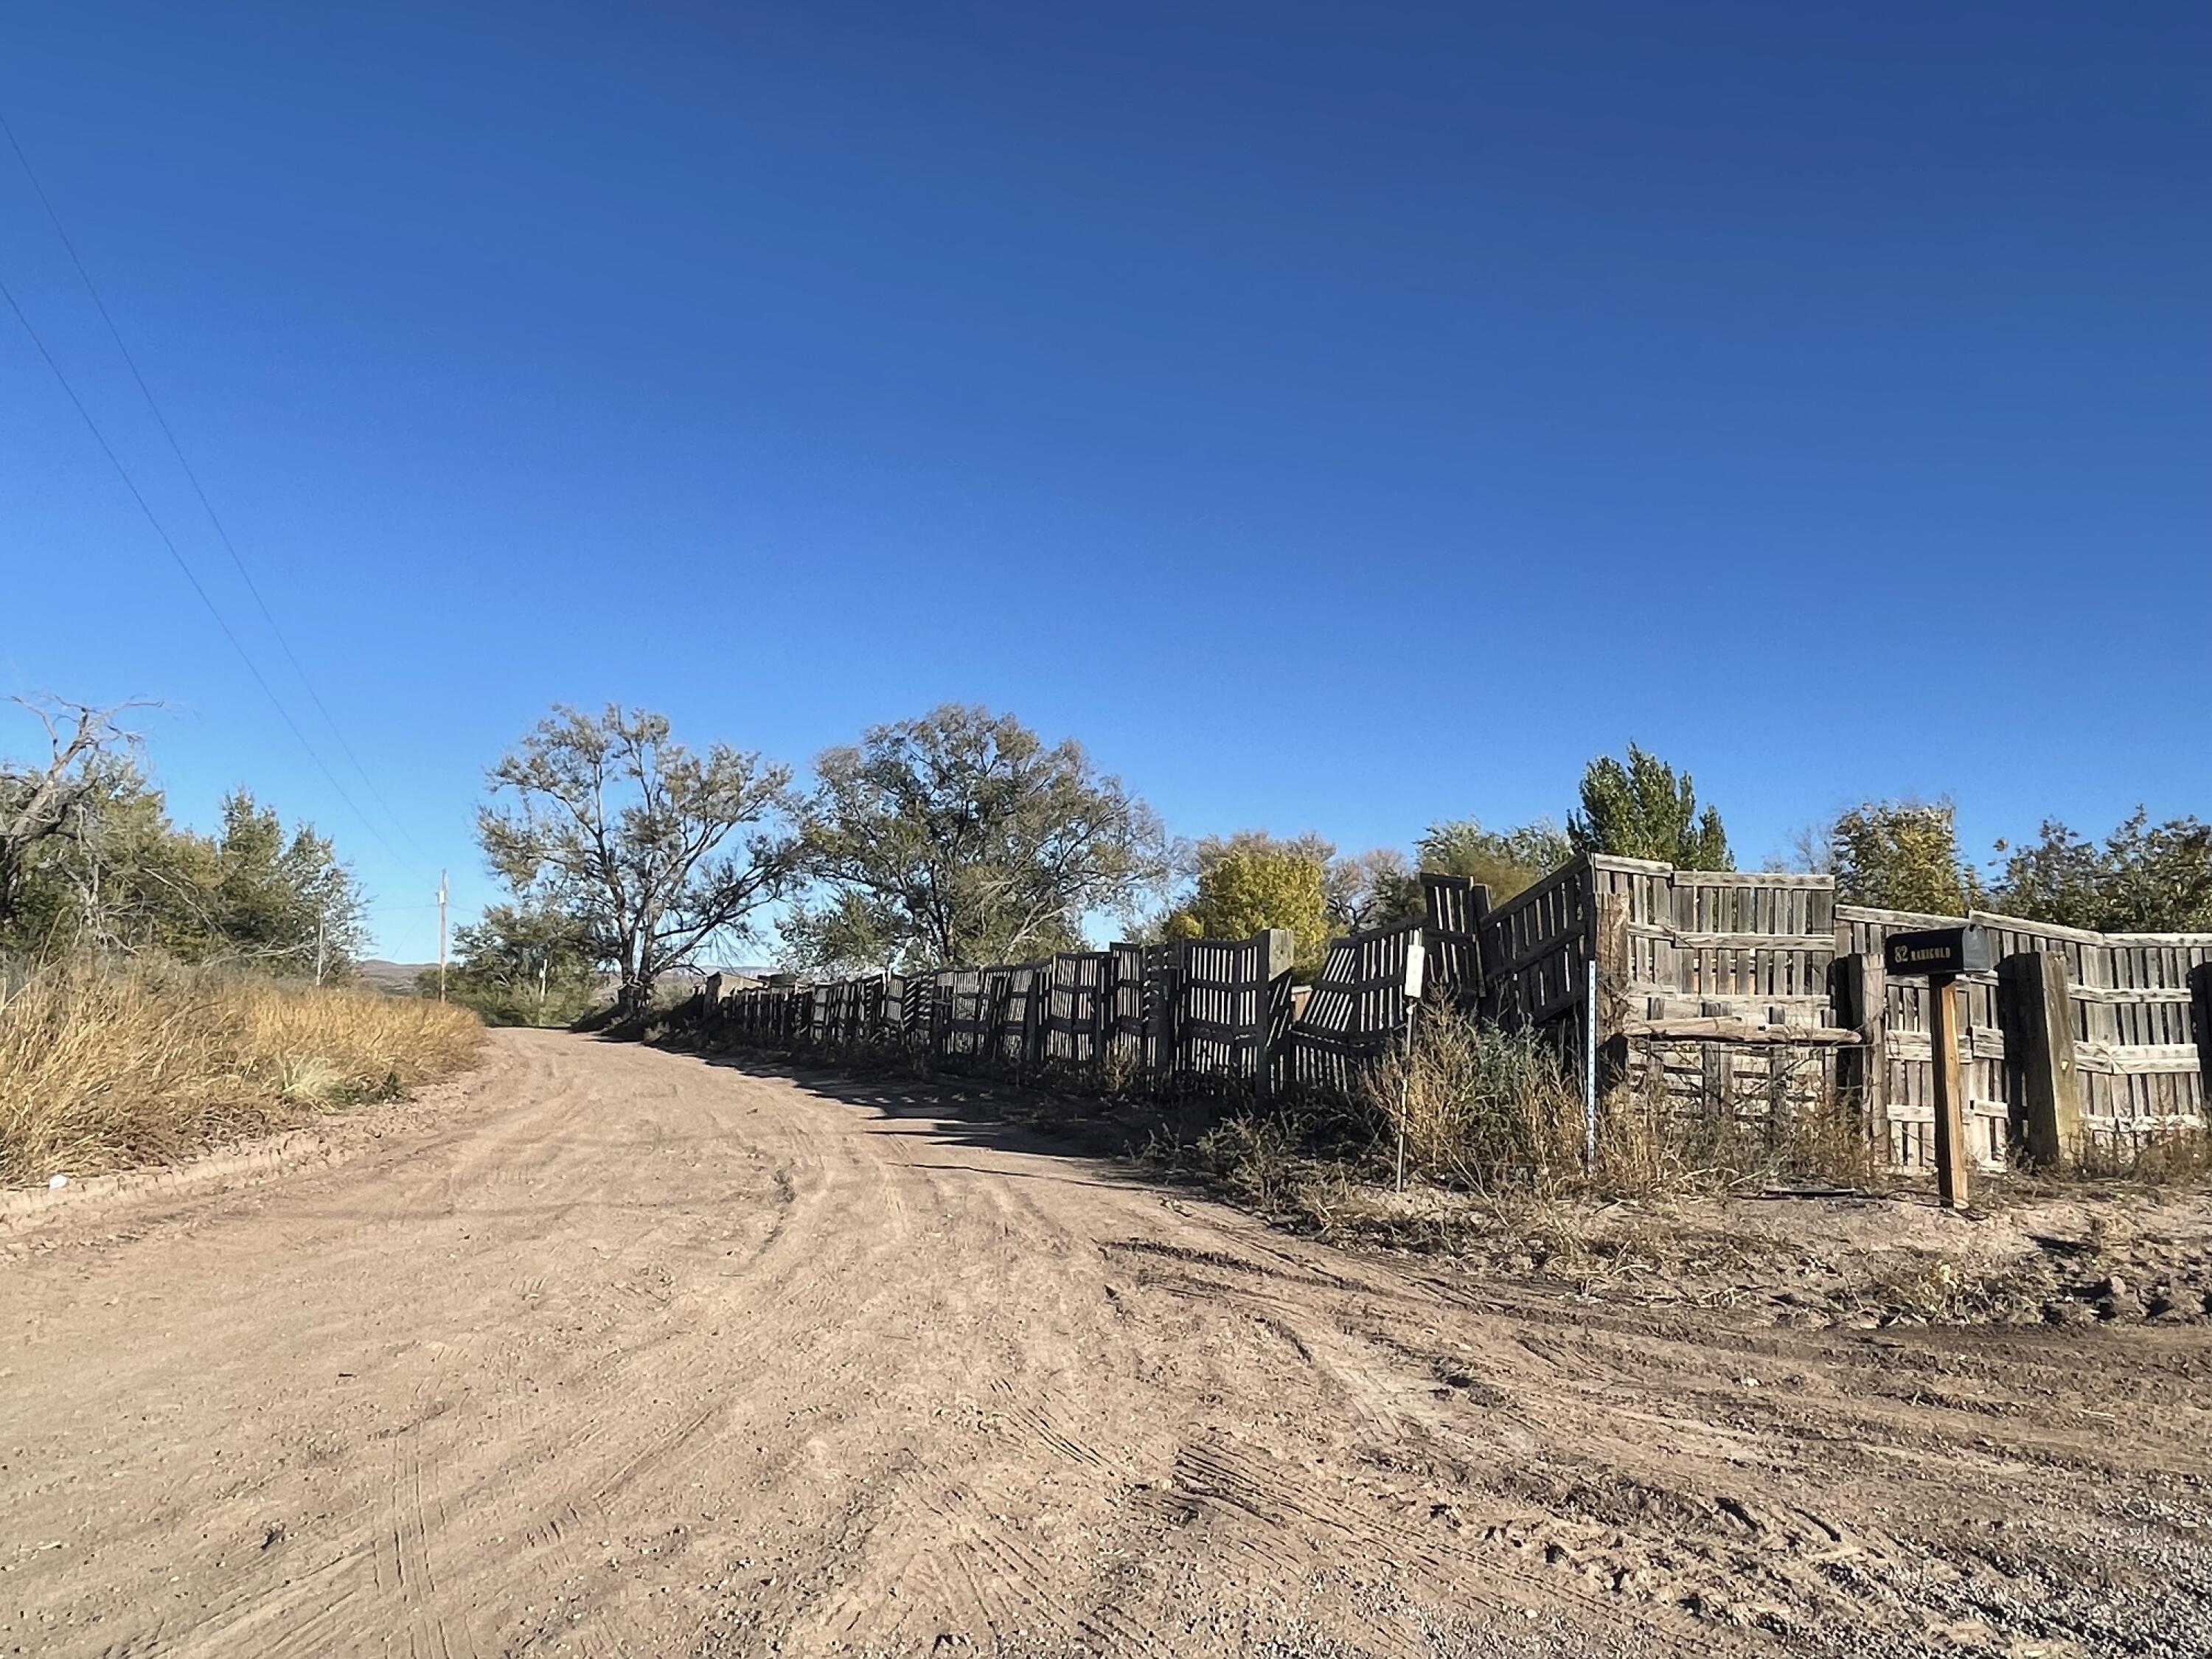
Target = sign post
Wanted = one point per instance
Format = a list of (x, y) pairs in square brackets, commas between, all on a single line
[(1940, 956)]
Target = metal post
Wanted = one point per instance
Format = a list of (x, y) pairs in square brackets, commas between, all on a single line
[(1589, 1068)]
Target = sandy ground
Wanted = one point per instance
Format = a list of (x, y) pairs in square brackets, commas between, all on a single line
[(618, 1351)]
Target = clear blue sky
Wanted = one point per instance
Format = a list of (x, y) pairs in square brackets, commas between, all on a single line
[(1339, 417)]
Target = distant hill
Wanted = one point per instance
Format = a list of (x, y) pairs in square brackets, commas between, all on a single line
[(394, 979)]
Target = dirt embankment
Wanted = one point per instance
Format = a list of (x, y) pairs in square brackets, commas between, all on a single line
[(635, 1353)]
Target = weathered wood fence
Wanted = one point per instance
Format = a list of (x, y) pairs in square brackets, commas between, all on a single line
[(1756, 993), (1750, 993), (1202, 1013)]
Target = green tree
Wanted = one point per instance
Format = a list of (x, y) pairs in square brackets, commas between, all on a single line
[(960, 839), (1252, 880), (1902, 855), (88, 857), (523, 965), (1507, 861), (656, 849), (2146, 878), (1643, 809), (276, 898)]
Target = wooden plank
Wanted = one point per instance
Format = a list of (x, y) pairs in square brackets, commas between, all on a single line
[(1723, 1028)]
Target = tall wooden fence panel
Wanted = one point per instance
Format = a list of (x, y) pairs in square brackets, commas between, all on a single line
[(1232, 1008), (1359, 1009), (1453, 909), (1079, 1011)]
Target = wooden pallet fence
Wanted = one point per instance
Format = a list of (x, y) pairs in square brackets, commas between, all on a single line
[(1358, 1011), (1453, 909), (1078, 1013), (1201, 1013), (1232, 1010), (2137, 1040), (1749, 994)]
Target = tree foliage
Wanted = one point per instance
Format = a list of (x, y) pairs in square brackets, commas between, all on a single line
[(1252, 880), (1902, 855), (959, 839), (2145, 879), (1643, 809), (44, 800), (655, 850), (522, 965), (92, 860), (1507, 861)]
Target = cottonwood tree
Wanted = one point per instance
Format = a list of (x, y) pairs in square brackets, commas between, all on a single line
[(960, 839), (521, 965), (1507, 861), (1644, 810), (656, 850)]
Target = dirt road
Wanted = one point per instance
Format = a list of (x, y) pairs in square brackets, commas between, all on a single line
[(629, 1353)]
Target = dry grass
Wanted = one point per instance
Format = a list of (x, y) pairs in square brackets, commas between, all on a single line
[(105, 1068), (1488, 1111), (1495, 1156)]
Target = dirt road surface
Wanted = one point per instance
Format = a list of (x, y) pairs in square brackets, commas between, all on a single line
[(619, 1351)]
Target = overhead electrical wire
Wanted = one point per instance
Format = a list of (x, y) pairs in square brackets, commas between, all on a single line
[(177, 449), (129, 484)]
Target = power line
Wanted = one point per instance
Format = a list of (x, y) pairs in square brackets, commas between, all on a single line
[(123, 473), (177, 449)]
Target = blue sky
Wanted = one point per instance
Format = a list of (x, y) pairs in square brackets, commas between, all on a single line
[(1339, 418)]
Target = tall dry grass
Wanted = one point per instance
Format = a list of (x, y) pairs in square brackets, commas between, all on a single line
[(1486, 1110), (105, 1067)]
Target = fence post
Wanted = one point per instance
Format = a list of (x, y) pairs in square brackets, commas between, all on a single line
[(1163, 979), (1953, 1180), (1862, 989), (1277, 949), (2035, 1009), (2200, 1012)]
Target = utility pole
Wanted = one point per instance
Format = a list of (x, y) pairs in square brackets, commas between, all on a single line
[(321, 939), (441, 935)]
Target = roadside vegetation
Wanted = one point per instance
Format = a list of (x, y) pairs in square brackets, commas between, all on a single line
[(1474, 1123), (107, 1066), (961, 838), (163, 990)]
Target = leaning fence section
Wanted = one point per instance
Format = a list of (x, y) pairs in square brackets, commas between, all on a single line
[(1360, 1007)]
